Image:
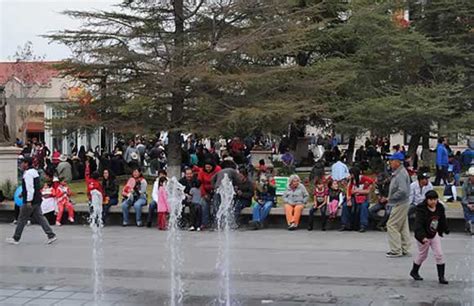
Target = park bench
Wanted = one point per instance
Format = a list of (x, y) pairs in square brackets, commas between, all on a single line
[(454, 210)]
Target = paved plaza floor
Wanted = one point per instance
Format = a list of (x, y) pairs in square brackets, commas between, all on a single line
[(269, 267)]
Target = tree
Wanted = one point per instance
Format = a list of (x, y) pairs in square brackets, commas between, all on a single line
[(396, 78), (225, 66)]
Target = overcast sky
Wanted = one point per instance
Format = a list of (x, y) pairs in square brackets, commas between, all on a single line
[(25, 20)]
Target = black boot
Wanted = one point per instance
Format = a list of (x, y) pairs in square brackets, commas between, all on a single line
[(414, 272), (441, 278)]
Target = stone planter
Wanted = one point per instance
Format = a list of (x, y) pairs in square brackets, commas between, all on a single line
[(9, 164)]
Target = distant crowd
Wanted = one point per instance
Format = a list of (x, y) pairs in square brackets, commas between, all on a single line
[(344, 191)]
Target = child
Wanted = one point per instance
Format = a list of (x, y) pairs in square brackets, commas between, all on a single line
[(320, 202), (450, 193), (195, 208), (62, 194), (335, 199), (430, 224), (163, 208), (48, 203)]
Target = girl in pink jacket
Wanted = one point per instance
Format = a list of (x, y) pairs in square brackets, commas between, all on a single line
[(162, 205)]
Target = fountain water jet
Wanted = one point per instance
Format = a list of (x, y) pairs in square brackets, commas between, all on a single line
[(175, 192), (225, 219), (96, 224)]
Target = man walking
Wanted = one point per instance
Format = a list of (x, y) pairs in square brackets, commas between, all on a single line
[(399, 200), (31, 204)]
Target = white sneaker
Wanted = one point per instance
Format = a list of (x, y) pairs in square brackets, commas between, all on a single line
[(192, 229), (28, 223), (12, 241), (51, 240), (58, 223), (71, 220), (14, 222), (198, 229)]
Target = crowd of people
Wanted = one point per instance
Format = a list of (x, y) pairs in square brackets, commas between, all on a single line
[(206, 161), (205, 165)]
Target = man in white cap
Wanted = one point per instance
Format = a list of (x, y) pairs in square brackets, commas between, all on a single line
[(64, 169), (468, 200)]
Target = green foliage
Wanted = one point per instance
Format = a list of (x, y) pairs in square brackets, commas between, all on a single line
[(8, 188), (242, 66)]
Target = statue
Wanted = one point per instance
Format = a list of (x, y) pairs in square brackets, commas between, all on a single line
[(4, 133)]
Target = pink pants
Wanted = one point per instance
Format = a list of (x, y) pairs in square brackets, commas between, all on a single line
[(333, 206), (70, 211), (423, 248)]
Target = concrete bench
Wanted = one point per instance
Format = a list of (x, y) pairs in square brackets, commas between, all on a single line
[(276, 211)]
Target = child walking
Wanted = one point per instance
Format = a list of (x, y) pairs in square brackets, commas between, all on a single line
[(162, 205), (320, 202), (430, 224)]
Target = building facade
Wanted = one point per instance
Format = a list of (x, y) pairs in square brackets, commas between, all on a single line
[(33, 91)]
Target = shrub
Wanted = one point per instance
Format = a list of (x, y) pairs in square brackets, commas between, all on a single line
[(8, 189)]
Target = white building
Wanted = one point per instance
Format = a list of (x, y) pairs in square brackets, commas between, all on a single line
[(33, 89)]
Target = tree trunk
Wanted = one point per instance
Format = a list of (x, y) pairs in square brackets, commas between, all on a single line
[(174, 134), (174, 154), (413, 145), (350, 150), (425, 153)]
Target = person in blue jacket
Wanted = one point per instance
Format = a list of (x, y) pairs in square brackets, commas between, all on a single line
[(441, 162)]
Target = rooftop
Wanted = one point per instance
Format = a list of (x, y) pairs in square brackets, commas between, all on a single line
[(28, 72)]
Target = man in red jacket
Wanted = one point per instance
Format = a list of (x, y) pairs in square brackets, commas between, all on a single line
[(207, 191)]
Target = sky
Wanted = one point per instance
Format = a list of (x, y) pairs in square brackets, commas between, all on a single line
[(25, 20)]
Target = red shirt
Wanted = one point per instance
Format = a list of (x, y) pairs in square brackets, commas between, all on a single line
[(92, 184), (205, 180), (365, 183)]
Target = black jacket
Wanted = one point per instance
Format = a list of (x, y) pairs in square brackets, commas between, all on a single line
[(189, 184), (247, 190), (111, 188), (428, 223)]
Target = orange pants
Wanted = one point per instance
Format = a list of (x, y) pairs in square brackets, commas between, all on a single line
[(293, 213)]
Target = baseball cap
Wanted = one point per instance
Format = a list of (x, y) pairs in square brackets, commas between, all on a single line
[(397, 156), (423, 175)]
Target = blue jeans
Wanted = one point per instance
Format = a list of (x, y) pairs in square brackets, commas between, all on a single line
[(468, 214), (151, 211), (261, 212), (240, 204), (362, 214), (137, 205), (106, 208), (205, 212), (347, 215)]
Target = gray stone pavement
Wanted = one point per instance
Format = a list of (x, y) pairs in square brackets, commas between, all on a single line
[(269, 267)]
